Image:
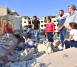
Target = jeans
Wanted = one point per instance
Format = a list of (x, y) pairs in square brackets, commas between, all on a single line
[(71, 43), (36, 35), (50, 36), (62, 36)]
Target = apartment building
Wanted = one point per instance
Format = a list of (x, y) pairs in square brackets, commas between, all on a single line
[(26, 23), (43, 22)]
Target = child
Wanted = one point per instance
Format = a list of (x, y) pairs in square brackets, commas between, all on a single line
[(50, 27), (72, 40)]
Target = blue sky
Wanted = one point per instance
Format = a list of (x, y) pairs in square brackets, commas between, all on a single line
[(37, 7)]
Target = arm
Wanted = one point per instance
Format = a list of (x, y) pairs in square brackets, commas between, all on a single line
[(61, 27), (69, 37), (39, 25), (32, 25), (76, 18)]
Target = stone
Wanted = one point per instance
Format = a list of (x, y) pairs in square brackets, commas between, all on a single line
[(65, 58), (45, 47)]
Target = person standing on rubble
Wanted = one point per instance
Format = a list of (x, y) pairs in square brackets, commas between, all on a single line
[(61, 21), (72, 15), (36, 28), (50, 28)]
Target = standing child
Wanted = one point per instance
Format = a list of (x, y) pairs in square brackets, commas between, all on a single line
[(72, 40), (50, 27)]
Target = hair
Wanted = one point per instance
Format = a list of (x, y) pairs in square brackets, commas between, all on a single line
[(73, 7), (73, 25), (35, 17), (62, 11), (49, 19)]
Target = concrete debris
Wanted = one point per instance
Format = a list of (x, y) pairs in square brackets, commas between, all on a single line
[(27, 54), (65, 58), (56, 43), (30, 63), (7, 45), (45, 47), (42, 56)]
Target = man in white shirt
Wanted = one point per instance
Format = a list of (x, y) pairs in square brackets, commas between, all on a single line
[(72, 15)]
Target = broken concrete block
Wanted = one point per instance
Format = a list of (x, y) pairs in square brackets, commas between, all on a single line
[(27, 54), (65, 58), (45, 47)]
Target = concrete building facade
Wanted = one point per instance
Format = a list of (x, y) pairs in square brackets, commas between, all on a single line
[(26, 23)]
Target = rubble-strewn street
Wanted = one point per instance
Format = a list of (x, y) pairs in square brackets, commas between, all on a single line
[(38, 33), (10, 56)]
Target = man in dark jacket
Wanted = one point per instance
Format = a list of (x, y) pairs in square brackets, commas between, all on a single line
[(36, 27)]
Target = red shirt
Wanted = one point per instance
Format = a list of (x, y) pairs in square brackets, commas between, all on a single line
[(50, 27)]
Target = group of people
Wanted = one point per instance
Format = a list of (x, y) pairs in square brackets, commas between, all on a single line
[(67, 27)]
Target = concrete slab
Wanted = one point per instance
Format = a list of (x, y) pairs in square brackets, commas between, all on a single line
[(65, 58)]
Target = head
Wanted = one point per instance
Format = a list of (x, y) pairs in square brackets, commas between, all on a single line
[(49, 19), (61, 12), (34, 17), (72, 25), (71, 9)]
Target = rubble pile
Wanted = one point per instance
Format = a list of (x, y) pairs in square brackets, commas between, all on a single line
[(10, 56), (29, 63), (45, 46), (7, 46)]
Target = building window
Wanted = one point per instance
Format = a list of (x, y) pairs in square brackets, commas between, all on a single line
[(29, 22), (54, 21), (41, 21), (41, 25), (24, 21), (29, 26), (42, 30), (26, 26), (45, 25)]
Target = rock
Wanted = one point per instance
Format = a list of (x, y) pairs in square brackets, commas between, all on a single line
[(56, 43), (27, 54), (65, 58), (45, 47), (7, 45)]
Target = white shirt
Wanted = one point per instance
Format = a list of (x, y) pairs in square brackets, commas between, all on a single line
[(70, 18), (73, 32)]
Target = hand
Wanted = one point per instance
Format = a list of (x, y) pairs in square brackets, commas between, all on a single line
[(59, 29)]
